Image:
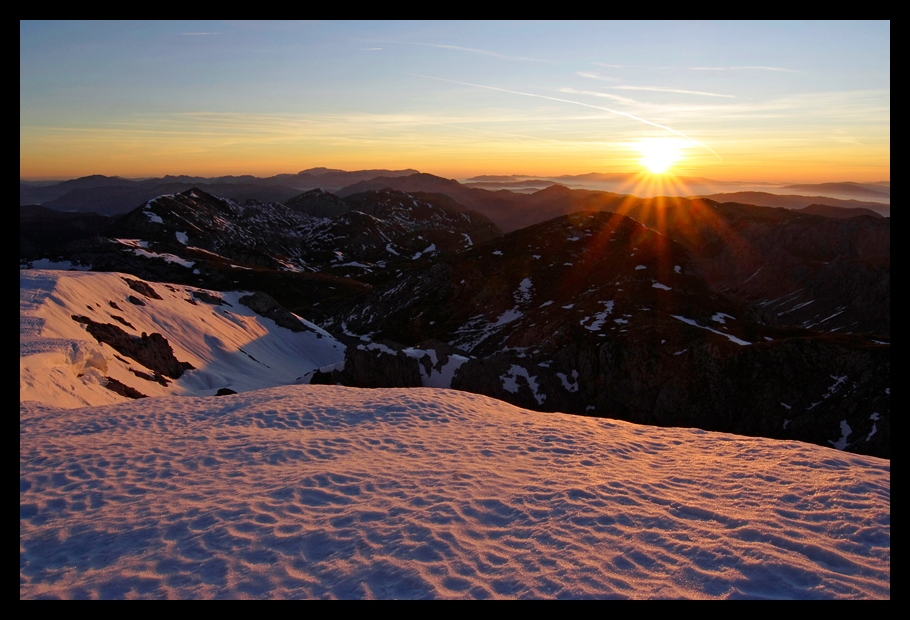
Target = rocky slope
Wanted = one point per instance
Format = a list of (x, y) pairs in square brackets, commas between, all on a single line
[(791, 268), (301, 259), (596, 314)]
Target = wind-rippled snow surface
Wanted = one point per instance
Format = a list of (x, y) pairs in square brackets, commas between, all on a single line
[(327, 492)]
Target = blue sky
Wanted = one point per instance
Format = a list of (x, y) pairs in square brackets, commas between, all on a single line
[(792, 101)]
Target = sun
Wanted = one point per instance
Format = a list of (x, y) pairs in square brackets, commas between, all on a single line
[(659, 154)]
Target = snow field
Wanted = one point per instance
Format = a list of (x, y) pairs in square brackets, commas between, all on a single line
[(328, 492)]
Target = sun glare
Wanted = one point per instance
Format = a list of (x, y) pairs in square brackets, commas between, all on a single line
[(659, 154)]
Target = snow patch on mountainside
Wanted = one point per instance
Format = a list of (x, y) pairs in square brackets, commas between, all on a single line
[(228, 345), (694, 323)]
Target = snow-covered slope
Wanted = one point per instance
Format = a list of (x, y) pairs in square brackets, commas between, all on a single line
[(227, 344), (317, 491)]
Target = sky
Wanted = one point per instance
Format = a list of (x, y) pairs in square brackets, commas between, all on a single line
[(749, 101)]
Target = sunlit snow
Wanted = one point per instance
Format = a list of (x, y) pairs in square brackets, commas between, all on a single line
[(328, 492), (229, 345)]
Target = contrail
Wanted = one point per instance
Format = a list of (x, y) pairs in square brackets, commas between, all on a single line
[(586, 105)]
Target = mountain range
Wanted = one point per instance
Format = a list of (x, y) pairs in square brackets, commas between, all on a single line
[(672, 311), (113, 195)]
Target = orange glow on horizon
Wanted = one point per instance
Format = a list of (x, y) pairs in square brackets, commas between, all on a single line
[(58, 154)]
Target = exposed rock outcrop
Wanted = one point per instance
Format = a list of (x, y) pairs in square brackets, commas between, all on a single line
[(266, 306), (151, 350), (142, 288), (120, 388)]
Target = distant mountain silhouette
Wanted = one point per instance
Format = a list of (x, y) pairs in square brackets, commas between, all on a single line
[(838, 212), (113, 195), (873, 191), (791, 201)]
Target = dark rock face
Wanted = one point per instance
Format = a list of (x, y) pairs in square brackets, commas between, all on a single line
[(389, 364), (212, 300), (796, 388), (277, 236), (731, 242), (152, 351), (124, 390), (377, 367), (156, 377), (263, 305), (381, 233), (122, 321), (224, 392), (142, 288), (792, 268)]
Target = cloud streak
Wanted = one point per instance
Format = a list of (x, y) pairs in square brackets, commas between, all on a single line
[(474, 50), (593, 93), (731, 68), (579, 103), (658, 89), (661, 89), (745, 67), (594, 76)]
